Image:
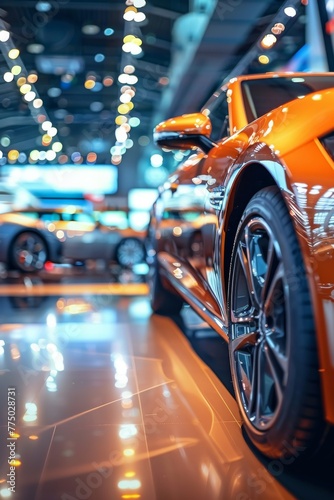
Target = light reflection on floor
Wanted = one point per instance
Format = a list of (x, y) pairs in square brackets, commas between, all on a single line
[(113, 403)]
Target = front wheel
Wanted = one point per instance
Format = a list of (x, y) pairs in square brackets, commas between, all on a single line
[(272, 340), (28, 252)]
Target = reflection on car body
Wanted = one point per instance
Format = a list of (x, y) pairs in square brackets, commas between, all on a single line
[(264, 273)]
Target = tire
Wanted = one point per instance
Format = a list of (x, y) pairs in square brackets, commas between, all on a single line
[(130, 252), (162, 300), (28, 252), (272, 347)]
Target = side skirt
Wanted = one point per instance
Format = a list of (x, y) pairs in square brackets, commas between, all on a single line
[(193, 290)]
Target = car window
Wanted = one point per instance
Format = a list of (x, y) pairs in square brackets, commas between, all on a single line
[(50, 217), (113, 218), (31, 215), (278, 91), (188, 216), (82, 217), (218, 114)]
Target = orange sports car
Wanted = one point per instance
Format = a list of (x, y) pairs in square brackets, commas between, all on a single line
[(243, 231)]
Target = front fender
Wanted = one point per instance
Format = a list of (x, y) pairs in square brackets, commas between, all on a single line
[(306, 179), (311, 206)]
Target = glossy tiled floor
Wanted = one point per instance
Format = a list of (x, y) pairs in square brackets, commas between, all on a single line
[(113, 403)]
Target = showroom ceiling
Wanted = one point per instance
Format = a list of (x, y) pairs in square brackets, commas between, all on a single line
[(178, 55)]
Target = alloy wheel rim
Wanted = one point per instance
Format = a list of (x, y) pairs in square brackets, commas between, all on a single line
[(130, 253), (259, 320), (29, 252)]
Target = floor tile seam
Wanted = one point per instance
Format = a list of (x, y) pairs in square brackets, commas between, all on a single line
[(142, 415), (40, 483)]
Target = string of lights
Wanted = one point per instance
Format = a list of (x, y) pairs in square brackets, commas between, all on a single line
[(131, 48)]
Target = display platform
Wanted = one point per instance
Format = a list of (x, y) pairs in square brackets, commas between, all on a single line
[(111, 402)]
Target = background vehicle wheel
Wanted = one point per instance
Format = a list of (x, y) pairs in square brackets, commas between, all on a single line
[(162, 301), (272, 344), (130, 252), (28, 252)]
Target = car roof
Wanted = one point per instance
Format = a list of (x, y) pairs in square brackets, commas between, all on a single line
[(70, 209), (279, 74), (261, 76)]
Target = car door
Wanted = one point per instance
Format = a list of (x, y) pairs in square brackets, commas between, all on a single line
[(83, 241)]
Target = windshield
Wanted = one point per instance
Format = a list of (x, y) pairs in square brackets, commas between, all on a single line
[(263, 95)]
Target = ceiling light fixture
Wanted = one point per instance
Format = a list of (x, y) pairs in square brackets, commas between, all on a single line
[(8, 76), (129, 68), (37, 103), (129, 14), (263, 59), (139, 3), (99, 58), (43, 6), (139, 17), (268, 41), (108, 81), (278, 28), (13, 53), (16, 70), (108, 32), (290, 11), (4, 35), (35, 48), (90, 29), (25, 88), (32, 78)]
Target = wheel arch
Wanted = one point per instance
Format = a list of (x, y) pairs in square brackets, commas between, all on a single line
[(249, 181)]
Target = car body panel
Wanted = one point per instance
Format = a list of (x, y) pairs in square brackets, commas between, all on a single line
[(281, 148)]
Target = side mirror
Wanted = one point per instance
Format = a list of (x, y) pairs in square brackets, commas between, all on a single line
[(185, 132)]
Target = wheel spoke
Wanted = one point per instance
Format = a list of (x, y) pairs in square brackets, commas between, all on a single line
[(250, 271), (280, 358), (256, 396), (30, 244), (271, 298), (248, 339), (247, 320), (255, 258), (271, 361), (245, 261), (270, 269)]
